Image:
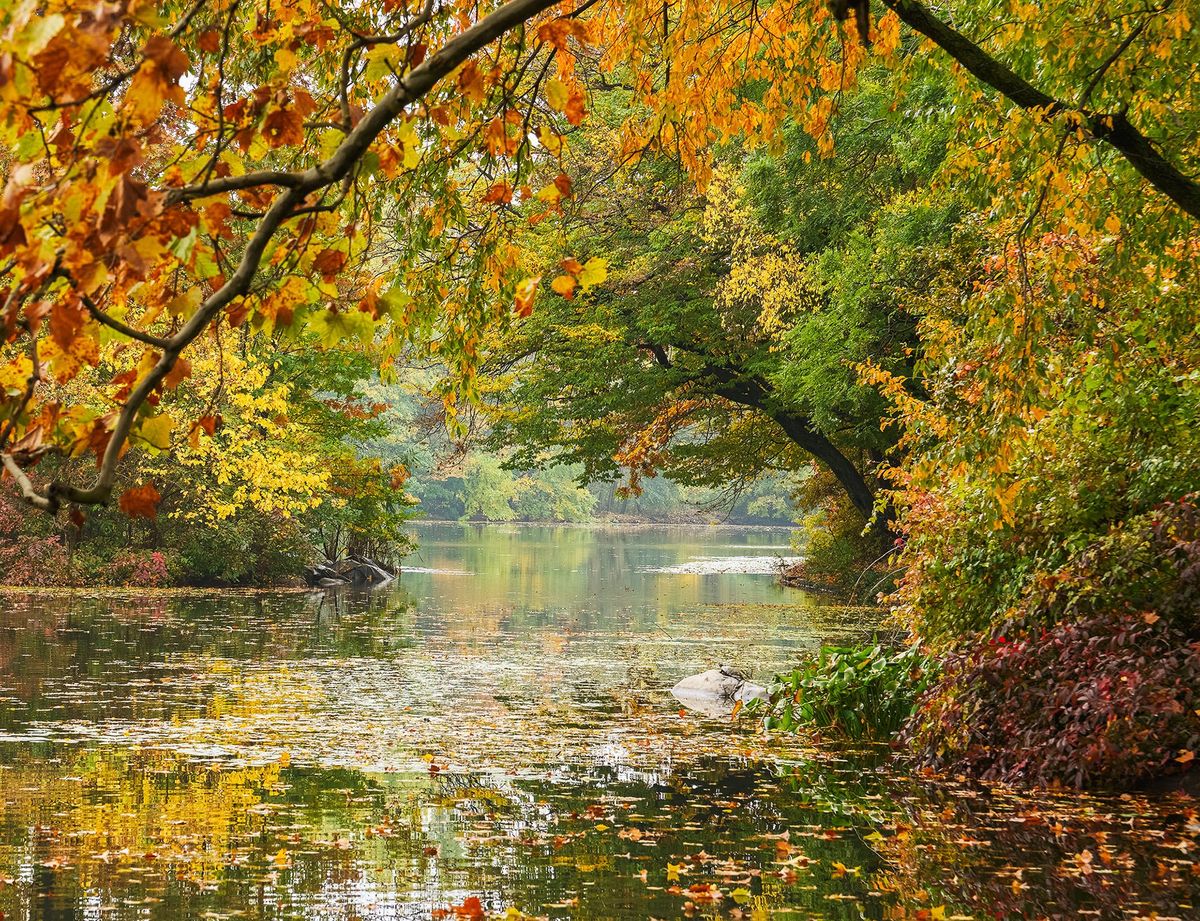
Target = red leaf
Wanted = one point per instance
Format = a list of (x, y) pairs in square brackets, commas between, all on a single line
[(329, 262)]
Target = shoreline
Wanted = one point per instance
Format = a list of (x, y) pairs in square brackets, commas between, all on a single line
[(607, 525)]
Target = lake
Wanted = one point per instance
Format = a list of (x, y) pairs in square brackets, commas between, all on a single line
[(493, 735)]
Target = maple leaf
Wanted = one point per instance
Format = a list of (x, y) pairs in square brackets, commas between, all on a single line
[(574, 109), (500, 193), (593, 272), (156, 431), (471, 83), (564, 285), (180, 371), (471, 909), (329, 263)]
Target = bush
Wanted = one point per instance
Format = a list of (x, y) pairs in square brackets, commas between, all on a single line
[(837, 556), (27, 560), (1094, 680), (1107, 701), (141, 568), (864, 692), (31, 552), (245, 550)]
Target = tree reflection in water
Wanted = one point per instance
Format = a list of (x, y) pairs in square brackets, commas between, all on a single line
[(395, 755)]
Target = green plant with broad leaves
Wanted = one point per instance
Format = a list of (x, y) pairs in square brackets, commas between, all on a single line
[(857, 692)]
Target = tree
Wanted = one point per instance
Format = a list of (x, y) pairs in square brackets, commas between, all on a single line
[(357, 169), (175, 166), (724, 343)]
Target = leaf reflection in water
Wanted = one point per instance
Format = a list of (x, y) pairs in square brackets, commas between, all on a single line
[(397, 756)]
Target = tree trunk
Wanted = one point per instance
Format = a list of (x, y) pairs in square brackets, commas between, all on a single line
[(757, 394), (800, 430)]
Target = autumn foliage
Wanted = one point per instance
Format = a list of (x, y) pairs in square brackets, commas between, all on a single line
[(983, 327)]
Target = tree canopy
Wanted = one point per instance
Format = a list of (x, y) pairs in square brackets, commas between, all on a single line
[(366, 172)]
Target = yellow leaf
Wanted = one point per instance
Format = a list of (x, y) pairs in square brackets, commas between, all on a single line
[(526, 292), (184, 303), (557, 94), (595, 270), (157, 431), (552, 141), (285, 60), (564, 285)]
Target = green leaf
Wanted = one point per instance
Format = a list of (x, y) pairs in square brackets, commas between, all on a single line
[(332, 328)]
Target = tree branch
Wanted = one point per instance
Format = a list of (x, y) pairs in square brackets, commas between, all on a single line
[(1138, 150), (297, 186)]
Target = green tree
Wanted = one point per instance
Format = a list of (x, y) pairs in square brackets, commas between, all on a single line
[(725, 343)]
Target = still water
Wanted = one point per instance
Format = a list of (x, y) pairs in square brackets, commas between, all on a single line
[(493, 736)]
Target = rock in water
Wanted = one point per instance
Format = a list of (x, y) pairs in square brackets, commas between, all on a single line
[(714, 692), (359, 571)]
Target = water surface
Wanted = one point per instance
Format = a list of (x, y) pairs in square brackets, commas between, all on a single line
[(494, 736)]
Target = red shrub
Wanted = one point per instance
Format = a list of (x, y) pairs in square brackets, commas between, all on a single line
[(1096, 680), (1106, 701), (138, 568), (28, 560)]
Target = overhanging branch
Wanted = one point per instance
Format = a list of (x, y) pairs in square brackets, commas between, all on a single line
[(1113, 128), (296, 187)]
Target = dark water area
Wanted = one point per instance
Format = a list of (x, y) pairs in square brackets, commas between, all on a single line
[(494, 736)]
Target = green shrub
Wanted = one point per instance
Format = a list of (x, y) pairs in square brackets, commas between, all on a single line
[(246, 550), (856, 692)]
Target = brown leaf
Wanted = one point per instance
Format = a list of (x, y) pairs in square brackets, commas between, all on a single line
[(140, 501), (329, 262), (172, 63), (180, 371), (210, 40)]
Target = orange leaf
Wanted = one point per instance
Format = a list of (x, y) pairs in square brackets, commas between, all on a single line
[(575, 110), (470, 82), (210, 40), (471, 909), (523, 299), (140, 501), (500, 193), (180, 371), (564, 285)]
